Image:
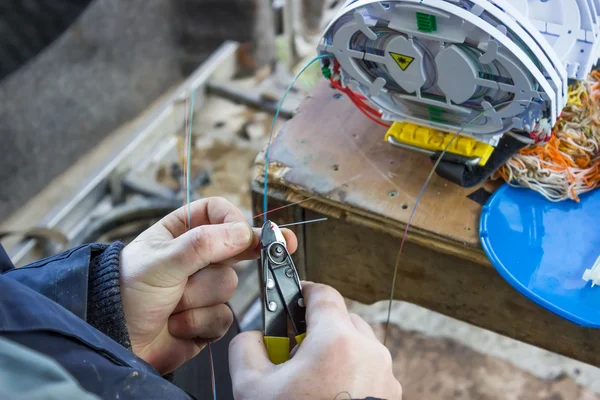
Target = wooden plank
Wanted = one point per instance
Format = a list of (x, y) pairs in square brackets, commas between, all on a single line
[(359, 262), (357, 258), (335, 158), (329, 149)]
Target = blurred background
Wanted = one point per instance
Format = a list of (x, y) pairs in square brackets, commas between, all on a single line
[(74, 73)]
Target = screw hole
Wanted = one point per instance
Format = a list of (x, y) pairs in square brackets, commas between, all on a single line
[(405, 206), (393, 193), (336, 167), (219, 124), (337, 96)]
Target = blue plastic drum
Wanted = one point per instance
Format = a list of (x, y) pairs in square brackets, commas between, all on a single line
[(542, 249)]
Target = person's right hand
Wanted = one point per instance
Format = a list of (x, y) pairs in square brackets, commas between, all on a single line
[(340, 358)]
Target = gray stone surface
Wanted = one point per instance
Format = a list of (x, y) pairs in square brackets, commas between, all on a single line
[(29, 26), (108, 67)]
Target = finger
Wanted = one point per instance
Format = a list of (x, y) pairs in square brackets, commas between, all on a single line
[(253, 251), (209, 211), (208, 287), (325, 306), (362, 326), (211, 244), (248, 356), (398, 389), (208, 323), (291, 240)]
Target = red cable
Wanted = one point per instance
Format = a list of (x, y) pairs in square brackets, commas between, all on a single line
[(367, 114), (355, 96), (366, 109), (350, 94), (374, 119)]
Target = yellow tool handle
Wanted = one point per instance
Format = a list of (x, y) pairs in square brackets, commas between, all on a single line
[(300, 338), (278, 348)]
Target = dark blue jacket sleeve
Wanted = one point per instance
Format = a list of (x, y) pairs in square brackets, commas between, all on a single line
[(84, 280), (98, 363), (5, 263)]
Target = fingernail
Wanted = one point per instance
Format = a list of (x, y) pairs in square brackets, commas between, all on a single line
[(240, 233)]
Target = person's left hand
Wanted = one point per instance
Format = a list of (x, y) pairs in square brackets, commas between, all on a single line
[(174, 284)]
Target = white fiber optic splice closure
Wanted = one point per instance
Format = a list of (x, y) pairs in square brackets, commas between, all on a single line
[(593, 274), (570, 29), (538, 53), (521, 5), (454, 26), (504, 41), (520, 17), (348, 2), (435, 125), (595, 9)]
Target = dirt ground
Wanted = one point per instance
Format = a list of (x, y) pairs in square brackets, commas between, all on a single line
[(436, 369)]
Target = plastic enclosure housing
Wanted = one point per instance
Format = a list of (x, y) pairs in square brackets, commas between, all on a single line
[(478, 68)]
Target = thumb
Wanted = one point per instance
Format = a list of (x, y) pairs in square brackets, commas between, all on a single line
[(210, 244), (248, 359)]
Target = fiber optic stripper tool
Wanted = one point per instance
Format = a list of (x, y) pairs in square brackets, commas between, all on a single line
[(283, 297)]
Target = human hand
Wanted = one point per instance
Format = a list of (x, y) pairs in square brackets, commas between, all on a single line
[(174, 284), (339, 356)]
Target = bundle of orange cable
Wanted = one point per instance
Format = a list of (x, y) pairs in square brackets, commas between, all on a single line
[(569, 164)]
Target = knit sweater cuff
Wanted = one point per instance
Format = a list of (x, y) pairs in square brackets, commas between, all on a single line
[(104, 306)]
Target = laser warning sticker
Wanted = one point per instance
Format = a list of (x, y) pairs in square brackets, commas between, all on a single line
[(403, 61)]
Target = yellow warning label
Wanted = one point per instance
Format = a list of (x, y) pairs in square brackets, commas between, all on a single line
[(402, 60)]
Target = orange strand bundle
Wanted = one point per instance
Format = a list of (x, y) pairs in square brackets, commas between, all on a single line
[(569, 164)]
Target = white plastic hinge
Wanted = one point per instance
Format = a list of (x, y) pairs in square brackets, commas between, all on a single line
[(593, 274)]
